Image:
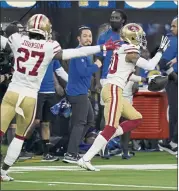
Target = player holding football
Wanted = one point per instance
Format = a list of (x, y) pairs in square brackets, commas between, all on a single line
[(120, 72), (32, 55)]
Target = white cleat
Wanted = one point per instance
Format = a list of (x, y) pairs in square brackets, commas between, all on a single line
[(6, 178), (86, 165)]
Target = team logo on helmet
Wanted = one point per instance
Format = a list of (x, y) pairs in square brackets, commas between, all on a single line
[(133, 28)]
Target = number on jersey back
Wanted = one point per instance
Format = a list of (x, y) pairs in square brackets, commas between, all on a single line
[(32, 58)]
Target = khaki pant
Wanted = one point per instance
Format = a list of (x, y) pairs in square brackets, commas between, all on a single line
[(8, 106), (116, 106)]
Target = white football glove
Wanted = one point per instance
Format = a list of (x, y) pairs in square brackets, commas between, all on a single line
[(164, 44)]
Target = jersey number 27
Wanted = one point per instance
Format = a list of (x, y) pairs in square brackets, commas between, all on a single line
[(27, 55)]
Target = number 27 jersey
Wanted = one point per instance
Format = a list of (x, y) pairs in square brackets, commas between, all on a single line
[(120, 70), (31, 60)]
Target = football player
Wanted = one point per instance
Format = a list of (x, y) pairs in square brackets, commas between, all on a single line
[(32, 55), (123, 64)]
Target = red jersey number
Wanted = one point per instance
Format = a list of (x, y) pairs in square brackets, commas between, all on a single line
[(114, 63), (22, 69)]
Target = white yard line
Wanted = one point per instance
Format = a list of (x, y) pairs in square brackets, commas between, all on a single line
[(96, 184), (102, 167)]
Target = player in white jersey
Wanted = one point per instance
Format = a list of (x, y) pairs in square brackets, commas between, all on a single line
[(120, 72), (32, 55)]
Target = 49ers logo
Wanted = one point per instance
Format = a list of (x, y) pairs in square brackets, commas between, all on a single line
[(133, 28)]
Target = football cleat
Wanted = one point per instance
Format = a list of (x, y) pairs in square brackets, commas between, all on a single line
[(6, 178), (86, 165)]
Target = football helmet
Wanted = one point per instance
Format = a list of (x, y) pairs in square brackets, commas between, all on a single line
[(134, 34), (157, 82), (40, 24)]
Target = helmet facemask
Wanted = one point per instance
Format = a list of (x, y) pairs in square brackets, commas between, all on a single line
[(141, 38)]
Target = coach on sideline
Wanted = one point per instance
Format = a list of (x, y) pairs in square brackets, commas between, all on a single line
[(169, 64), (79, 81)]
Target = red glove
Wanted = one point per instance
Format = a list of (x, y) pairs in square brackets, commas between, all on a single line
[(111, 45)]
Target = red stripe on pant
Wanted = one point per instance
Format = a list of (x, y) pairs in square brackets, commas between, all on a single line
[(113, 106)]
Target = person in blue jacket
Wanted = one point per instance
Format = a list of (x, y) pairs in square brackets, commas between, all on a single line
[(169, 65), (79, 81)]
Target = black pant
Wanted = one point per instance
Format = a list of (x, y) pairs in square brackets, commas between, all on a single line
[(172, 93), (44, 102), (82, 119)]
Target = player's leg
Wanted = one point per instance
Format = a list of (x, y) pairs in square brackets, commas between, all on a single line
[(11, 130), (112, 97), (50, 100), (7, 110), (134, 117), (7, 114), (40, 103), (28, 106)]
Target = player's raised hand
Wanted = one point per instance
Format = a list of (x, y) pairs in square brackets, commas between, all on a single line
[(111, 45), (164, 44)]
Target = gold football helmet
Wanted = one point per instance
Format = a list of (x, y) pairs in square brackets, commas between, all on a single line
[(40, 24), (133, 34)]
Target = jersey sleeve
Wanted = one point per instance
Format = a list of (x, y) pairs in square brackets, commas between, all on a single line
[(56, 47), (4, 41), (14, 41)]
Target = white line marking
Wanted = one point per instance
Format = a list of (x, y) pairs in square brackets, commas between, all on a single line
[(95, 184), (102, 167)]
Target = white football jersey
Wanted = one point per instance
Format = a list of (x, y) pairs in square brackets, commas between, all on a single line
[(31, 60), (3, 42), (120, 70)]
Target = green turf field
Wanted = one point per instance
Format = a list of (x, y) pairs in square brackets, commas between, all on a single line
[(145, 171)]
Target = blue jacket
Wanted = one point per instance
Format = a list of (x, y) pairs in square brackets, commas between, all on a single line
[(79, 75), (47, 84), (171, 52), (104, 37)]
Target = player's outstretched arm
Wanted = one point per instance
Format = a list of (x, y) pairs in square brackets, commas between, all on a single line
[(67, 54), (152, 63)]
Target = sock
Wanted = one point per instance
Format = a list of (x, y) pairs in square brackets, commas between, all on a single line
[(14, 150), (129, 125), (10, 134), (173, 145), (99, 142), (3, 172), (118, 132), (46, 144), (125, 142), (108, 132)]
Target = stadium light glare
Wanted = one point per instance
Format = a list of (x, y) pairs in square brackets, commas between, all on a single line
[(139, 4), (21, 3)]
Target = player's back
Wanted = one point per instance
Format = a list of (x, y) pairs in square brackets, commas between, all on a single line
[(31, 59), (120, 70)]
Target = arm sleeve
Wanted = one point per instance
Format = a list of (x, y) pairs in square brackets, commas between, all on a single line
[(14, 41), (56, 47), (135, 78), (83, 69), (80, 52), (151, 64), (4, 41), (61, 72)]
